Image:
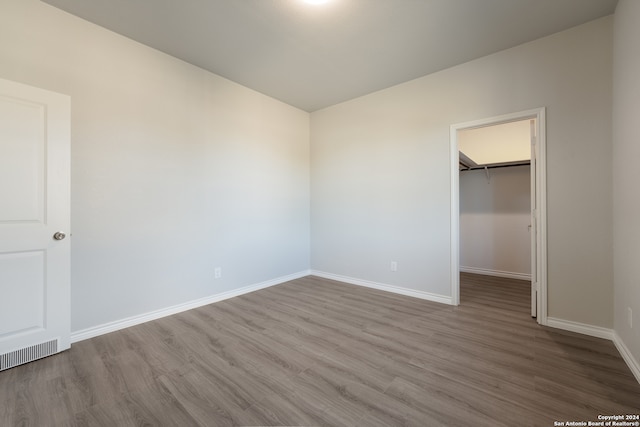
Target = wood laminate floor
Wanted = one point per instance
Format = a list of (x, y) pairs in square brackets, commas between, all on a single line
[(318, 352)]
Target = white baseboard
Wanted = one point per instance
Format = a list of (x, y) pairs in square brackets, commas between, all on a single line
[(599, 332), (443, 299), (567, 325), (496, 273), (157, 314), (631, 361), (581, 328)]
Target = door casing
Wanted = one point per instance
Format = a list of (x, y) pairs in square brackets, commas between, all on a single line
[(539, 114)]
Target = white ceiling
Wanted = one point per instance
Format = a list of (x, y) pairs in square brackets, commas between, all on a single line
[(497, 144), (314, 56)]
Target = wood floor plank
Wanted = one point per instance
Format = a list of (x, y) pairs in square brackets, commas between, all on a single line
[(319, 352), (151, 405)]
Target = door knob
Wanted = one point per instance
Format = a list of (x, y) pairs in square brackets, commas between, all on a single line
[(59, 235)]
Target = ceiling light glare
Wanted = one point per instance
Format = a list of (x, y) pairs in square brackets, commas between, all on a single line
[(316, 1)]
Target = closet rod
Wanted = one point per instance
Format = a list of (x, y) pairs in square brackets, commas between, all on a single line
[(492, 167)]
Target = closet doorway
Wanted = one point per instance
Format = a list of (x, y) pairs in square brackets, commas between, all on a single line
[(498, 169)]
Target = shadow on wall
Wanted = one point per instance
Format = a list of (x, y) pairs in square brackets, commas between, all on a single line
[(494, 219)]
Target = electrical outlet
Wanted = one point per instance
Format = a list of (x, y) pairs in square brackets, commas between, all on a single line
[(630, 317), (394, 266), (217, 273)]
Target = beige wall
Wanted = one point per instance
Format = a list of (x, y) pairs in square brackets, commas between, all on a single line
[(175, 171), (626, 178), (494, 217), (380, 169)]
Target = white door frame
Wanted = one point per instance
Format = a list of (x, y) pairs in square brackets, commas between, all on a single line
[(539, 114)]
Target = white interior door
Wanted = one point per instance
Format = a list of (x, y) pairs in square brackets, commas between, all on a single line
[(34, 206), (534, 224)]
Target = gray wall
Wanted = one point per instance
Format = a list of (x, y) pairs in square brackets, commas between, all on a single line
[(626, 178), (380, 169), (175, 171), (494, 218)]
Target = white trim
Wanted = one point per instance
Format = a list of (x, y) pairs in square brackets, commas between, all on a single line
[(581, 328), (632, 363), (496, 273), (443, 299), (541, 173), (157, 314), (541, 220), (599, 332), (455, 216)]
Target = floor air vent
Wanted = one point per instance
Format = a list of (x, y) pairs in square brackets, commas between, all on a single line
[(28, 354)]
